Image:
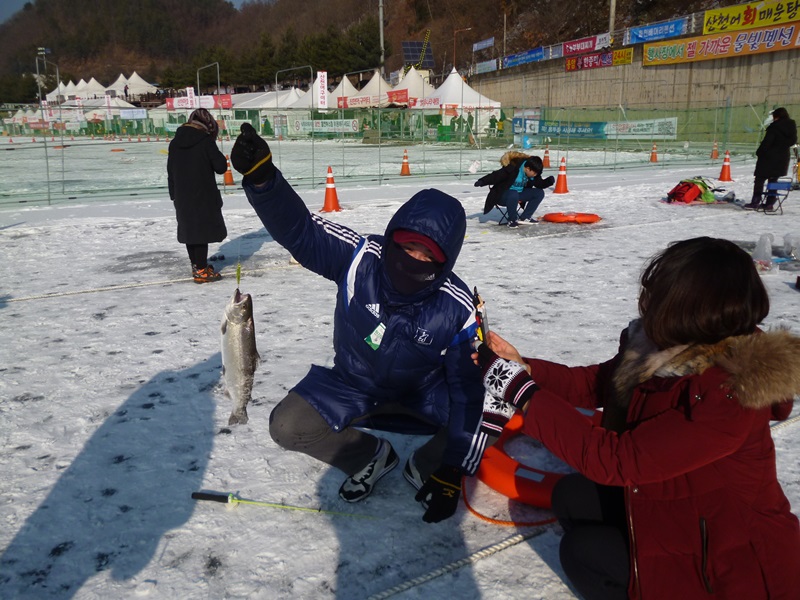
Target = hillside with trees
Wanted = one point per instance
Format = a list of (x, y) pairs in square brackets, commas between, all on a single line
[(166, 41)]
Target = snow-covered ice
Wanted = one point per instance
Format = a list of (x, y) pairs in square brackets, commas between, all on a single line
[(112, 413)]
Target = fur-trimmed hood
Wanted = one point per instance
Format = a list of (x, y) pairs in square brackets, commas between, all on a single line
[(514, 156), (764, 367)]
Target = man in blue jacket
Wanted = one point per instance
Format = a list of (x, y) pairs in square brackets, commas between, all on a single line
[(403, 327)]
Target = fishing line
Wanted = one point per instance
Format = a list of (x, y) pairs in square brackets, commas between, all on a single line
[(232, 499)]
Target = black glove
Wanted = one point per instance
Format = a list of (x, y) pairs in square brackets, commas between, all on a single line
[(496, 413), (478, 183), (505, 379), (251, 156), (441, 492)]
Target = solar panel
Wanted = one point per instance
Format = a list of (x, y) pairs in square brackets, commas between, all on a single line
[(412, 51)]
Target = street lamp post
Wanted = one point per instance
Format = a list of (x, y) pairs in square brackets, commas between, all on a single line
[(40, 55), (311, 91), (456, 32), (219, 109)]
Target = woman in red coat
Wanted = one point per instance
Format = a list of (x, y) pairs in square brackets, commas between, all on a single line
[(676, 493)]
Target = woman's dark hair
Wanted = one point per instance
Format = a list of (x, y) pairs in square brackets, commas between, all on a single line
[(701, 290), (780, 113)]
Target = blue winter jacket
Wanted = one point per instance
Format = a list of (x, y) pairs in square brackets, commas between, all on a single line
[(422, 359)]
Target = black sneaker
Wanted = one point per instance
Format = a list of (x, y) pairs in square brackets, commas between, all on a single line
[(752, 205), (411, 473), (359, 485), (513, 224)]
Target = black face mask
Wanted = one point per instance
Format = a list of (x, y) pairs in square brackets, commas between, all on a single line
[(407, 274)]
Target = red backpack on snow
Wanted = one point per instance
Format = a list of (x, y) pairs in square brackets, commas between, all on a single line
[(685, 191)]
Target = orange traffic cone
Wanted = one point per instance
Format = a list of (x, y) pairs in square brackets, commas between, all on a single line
[(331, 199), (715, 152), (10, 140), (561, 182), (404, 170), (725, 174), (653, 155), (139, 139), (546, 159), (227, 179)]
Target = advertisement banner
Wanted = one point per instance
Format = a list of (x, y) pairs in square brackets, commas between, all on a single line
[(483, 45), (750, 16), (132, 113), (623, 56), (301, 126), (322, 98), (653, 129), (585, 130), (587, 44), (398, 97), (208, 102), (661, 31), (513, 60), (722, 45), (486, 66)]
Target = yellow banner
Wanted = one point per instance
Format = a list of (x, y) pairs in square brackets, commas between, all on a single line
[(722, 45), (751, 16)]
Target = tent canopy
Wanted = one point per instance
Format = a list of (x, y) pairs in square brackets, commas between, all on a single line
[(344, 90), (311, 99), (411, 89), (138, 86), (456, 93), (375, 93)]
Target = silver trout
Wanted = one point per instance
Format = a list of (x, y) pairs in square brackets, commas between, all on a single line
[(239, 355)]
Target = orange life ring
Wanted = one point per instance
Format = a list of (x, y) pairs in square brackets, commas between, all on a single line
[(518, 482), (571, 217)]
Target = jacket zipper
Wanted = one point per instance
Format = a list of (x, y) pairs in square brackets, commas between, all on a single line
[(635, 593), (704, 538)]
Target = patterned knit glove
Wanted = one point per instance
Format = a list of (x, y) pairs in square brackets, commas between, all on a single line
[(504, 379), (496, 413)]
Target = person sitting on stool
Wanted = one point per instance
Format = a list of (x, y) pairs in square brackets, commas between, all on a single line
[(517, 183)]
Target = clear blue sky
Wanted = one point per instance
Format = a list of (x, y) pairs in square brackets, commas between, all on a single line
[(9, 7)]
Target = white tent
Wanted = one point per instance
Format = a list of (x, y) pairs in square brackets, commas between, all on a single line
[(414, 86), (454, 99), (375, 93), (93, 89), (139, 87), (59, 91), (315, 98), (118, 87), (266, 100), (79, 87), (338, 97), (293, 96), (70, 90)]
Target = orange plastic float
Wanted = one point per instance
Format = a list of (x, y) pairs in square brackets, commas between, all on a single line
[(516, 481), (571, 218)]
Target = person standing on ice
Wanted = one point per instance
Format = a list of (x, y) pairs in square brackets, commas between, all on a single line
[(403, 325), (193, 160), (773, 157), (676, 493)]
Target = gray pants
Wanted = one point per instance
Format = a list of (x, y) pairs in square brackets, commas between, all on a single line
[(296, 425)]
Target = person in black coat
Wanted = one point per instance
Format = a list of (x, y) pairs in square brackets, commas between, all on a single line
[(518, 182), (773, 157), (193, 160)]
